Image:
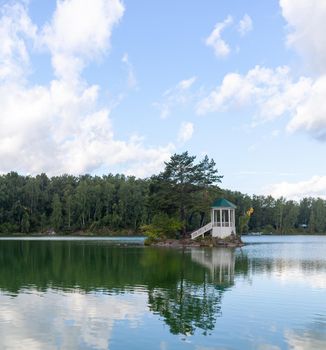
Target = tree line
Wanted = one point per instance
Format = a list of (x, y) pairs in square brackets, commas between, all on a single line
[(179, 197)]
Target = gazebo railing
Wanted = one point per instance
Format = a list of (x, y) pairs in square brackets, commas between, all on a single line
[(201, 231), (223, 224)]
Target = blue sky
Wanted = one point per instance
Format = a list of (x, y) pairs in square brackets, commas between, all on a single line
[(98, 86)]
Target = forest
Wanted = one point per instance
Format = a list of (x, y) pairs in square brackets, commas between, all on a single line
[(179, 197)]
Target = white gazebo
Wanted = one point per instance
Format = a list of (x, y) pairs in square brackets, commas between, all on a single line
[(222, 220)]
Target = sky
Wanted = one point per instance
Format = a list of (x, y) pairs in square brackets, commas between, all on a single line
[(112, 86)]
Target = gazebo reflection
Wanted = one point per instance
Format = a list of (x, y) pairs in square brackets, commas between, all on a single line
[(219, 261)]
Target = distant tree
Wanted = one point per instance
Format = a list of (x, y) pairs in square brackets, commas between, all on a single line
[(56, 217), (304, 211), (279, 214), (25, 224), (184, 191), (290, 216), (43, 222), (319, 211)]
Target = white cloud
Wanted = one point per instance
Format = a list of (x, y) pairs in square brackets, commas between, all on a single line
[(306, 337), (245, 25), (310, 114), (275, 92), (72, 320), (148, 161), (185, 132), (132, 81), (314, 187), (15, 28), (272, 91), (178, 95), (79, 31), (186, 84), (59, 127), (214, 40), (296, 274), (306, 24)]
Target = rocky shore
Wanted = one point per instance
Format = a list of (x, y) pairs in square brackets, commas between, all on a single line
[(232, 241)]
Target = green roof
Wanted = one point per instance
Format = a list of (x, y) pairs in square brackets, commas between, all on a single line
[(223, 203)]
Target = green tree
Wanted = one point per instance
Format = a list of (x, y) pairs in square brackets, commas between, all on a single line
[(319, 210), (279, 214), (43, 222), (25, 224), (176, 187), (56, 217), (304, 211), (290, 216), (162, 226)]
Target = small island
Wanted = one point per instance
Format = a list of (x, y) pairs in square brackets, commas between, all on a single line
[(219, 232), (232, 241), (188, 187)]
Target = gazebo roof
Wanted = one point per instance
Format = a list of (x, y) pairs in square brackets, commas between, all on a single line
[(223, 203)]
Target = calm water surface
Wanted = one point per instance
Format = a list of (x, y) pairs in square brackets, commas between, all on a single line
[(90, 294)]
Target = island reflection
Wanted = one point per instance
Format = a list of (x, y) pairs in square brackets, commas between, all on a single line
[(184, 287)]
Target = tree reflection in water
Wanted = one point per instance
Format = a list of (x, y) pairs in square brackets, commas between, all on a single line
[(189, 304), (184, 287)]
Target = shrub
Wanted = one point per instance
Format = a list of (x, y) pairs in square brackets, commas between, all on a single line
[(162, 227)]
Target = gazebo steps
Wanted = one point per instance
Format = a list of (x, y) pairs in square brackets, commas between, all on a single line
[(201, 231)]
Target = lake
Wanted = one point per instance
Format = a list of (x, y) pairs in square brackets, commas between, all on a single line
[(117, 294)]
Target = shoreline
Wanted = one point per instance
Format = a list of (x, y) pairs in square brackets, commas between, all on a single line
[(232, 241)]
